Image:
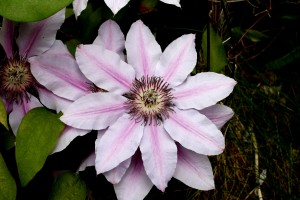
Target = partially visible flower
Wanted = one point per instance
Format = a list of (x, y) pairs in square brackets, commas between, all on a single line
[(151, 106), (18, 88), (114, 5)]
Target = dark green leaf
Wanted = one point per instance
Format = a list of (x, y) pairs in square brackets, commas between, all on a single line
[(30, 10), (8, 188), (68, 186), (36, 138), (3, 116)]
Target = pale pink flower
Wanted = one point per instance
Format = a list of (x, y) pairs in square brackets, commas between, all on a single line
[(152, 107)]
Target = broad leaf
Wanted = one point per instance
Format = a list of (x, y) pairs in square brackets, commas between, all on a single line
[(217, 58), (68, 186), (31, 10), (3, 116), (8, 188), (36, 138)]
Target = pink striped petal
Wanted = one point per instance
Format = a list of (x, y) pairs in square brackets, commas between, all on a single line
[(67, 136), (194, 131), (143, 51), (7, 37), (105, 68), (203, 90), (218, 114), (178, 60), (58, 71), (159, 154), (37, 37), (135, 184), (79, 6), (194, 170), (19, 111), (119, 143), (173, 2), (94, 111), (115, 175), (111, 37), (116, 5)]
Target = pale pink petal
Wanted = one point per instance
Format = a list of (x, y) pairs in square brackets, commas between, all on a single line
[(159, 154), (79, 6), (194, 131), (218, 114), (37, 37), (119, 143), (90, 160), (178, 60), (116, 5), (111, 37), (7, 37), (194, 170), (135, 184), (19, 111), (94, 111), (58, 71), (173, 2), (67, 136), (8, 105), (115, 175), (52, 101), (203, 90), (142, 50), (105, 68)]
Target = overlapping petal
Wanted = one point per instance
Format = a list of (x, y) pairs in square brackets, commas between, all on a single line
[(105, 68), (115, 175), (116, 5), (194, 131), (159, 154), (37, 37), (79, 6), (173, 2), (94, 111), (119, 143), (177, 60), (203, 90), (143, 51), (7, 36)]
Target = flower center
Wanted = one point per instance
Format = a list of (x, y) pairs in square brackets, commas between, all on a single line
[(15, 79), (149, 100)]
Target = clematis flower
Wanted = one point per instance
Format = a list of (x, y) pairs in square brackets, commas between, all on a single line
[(18, 88), (114, 5), (151, 105)]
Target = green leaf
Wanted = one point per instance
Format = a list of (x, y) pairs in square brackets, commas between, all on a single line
[(36, 138), (31, 10), (8, 188), (218, 59), (68, 186), (3, 115)]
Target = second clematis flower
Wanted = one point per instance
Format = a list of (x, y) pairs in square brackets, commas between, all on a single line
[(152, 107)]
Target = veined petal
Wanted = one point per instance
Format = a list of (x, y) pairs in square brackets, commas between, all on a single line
[(203, 90), (143, 51), (37, 37), (159, 154), (19, 111), (135, 184), (79, 6), (7, 37), (111, 37), (173, 2), (58, 71), (194, 170), (194, 131), (105, 68), (218, 114), (116, 5), (51, 100), (67, 136), (115, 175), (94, 111), (178, 60), (119, 143)]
